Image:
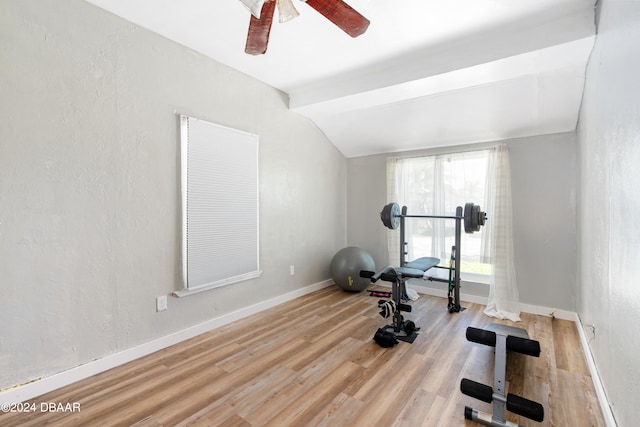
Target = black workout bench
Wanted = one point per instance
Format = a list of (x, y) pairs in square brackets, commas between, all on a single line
[(503, 338)]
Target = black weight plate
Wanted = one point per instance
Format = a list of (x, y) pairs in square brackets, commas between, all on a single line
[(468, 212), (390, 216), (395, 216), (475, 218), (385, 215)]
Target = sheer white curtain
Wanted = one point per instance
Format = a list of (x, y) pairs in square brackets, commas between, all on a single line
[(434, 185), (504, 298), (404, 187), (395, 191)]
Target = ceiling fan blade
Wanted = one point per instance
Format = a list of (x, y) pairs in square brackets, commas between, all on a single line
[(258, 36), (286, 10), (341, 14)]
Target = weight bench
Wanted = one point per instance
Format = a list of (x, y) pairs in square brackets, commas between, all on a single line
[(402, 330), (503, 338)]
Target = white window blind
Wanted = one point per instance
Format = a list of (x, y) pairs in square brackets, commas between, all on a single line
[(219, 205)]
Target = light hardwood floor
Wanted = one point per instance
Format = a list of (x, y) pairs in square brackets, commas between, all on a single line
[(313, 362)]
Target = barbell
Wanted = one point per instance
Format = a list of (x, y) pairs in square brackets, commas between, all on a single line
[(472, 217)]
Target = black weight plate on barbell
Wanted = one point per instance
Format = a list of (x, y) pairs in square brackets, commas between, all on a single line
[(475, 218), (390, 216), (395, 215), (468, 212), (385, 215)]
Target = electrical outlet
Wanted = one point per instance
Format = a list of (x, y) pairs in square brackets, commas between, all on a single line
[(161, 303), (292, 270)]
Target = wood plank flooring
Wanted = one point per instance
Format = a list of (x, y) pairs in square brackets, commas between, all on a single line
[(313, 362)]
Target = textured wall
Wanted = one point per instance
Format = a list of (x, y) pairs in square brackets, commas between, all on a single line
[(543, 175), (609, 202), (89, 186)]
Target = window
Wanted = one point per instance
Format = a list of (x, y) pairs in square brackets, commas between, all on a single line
[(436, 185), (219, 205)]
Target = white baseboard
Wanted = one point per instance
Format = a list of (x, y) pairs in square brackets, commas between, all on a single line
[(548, 312), (478, 299), (607, 413), (44, 385)]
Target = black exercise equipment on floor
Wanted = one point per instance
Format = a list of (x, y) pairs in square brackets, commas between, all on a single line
[(503, 338), (472, 217), (400, 329)]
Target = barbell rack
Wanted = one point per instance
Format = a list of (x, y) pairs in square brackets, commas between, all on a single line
[(473, 218)]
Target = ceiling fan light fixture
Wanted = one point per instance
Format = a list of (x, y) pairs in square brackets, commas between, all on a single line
[(254, 6), (286, 10)]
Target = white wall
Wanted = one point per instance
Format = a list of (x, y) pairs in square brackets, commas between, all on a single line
[(609, 202), (543, 175), (89, 186)]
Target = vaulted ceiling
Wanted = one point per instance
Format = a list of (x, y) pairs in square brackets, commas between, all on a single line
[(426, 73)]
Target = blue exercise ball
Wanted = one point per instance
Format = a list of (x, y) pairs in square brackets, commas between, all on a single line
[(346, 266)]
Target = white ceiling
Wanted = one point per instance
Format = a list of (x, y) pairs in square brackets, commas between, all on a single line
[(426, 73)]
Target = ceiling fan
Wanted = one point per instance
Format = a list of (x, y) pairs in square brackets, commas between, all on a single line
[(262, 11)]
